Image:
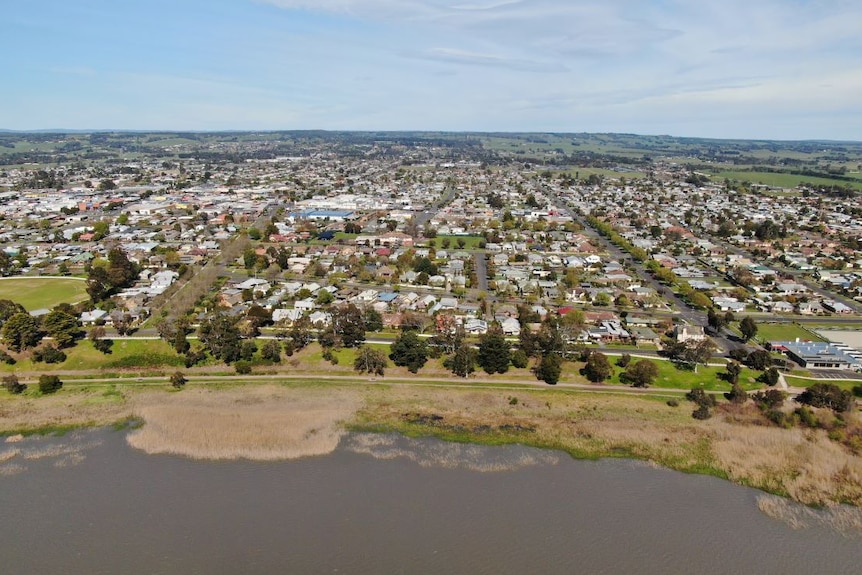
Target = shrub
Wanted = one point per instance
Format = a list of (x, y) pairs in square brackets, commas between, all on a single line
[(194, 357), (6, 358), (49, 383), (736, 394), (770, 377), (49, 354), (672, 403), (857, 390), (624, 360), (700, 397), (520, 359), (178, 380), (701, 413), (103, 345), (13, 385), (806, 417), (769, 399), (242, 367), (827, 395)]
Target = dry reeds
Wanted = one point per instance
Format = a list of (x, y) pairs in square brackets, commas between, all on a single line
[(804, 464), (846, 520), (262, 423)]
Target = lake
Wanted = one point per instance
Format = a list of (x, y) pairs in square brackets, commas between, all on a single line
[(88, 503)]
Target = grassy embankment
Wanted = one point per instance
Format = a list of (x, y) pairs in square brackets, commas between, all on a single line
[(42, 293), (275, 418), (274, 421)]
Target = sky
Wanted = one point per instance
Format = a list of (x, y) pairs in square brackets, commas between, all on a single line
[(757, 69)]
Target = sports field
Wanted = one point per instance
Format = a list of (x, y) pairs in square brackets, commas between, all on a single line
[(38, 293)]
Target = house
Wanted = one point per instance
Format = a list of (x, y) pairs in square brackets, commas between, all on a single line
[(320, 319), (685, 332), (91, 317), (287, 316), (782, 307), (476, 326), (511, 327), (836, 307), (644, 335)]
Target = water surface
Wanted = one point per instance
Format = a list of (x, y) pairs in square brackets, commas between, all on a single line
[(88, 504)]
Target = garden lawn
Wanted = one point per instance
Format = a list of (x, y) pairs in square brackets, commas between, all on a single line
[(43, 293)]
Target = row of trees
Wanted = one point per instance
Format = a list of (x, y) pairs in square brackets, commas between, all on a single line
[(21, 331)]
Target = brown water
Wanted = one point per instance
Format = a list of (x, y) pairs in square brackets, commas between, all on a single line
[(89, 504)]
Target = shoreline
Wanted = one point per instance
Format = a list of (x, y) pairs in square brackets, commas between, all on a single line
[(802, 465)]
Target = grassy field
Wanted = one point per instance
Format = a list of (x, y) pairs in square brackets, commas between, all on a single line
[(39, 293), (780, 180), (130, 353), (784, 332), (470, 242)]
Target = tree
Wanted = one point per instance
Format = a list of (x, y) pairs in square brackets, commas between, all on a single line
[(641, 373), (49, 384), (12, 384), (49, 354), (769, 399), (97, 337), (247, 349), (348, 325), (300, 333), (271, 351), (370, 360), (221, 336), (448, 333), (759, 360), (827, 395), (733, 370), (462, 361), (549, 368), (104, 279), (8, 308), (178, 380), (495, 353), (748, 328), (63, 327), (520, 359), (770, 377), (597, 368), (736, 394), (123, 324), (410, 351), (21, 331), (373, 320), (715, 320)]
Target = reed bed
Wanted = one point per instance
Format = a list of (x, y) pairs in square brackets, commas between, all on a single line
[(802, 464), (841, 518), (260, 423)]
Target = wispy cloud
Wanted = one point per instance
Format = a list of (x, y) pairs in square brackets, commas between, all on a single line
[(739, 67), (456, 56)]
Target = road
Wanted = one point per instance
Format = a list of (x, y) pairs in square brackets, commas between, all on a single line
[(421, 218), (685, 312)]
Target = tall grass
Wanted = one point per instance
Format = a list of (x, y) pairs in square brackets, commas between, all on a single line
[(264, 423)]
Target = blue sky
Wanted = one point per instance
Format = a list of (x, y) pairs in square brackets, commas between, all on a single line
[(784, 69)]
